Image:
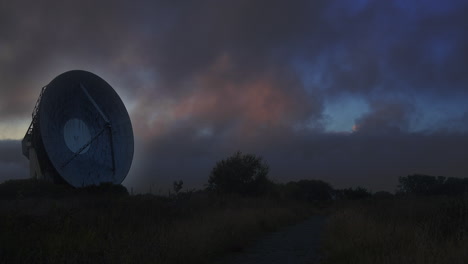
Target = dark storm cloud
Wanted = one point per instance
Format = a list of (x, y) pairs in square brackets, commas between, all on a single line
[(38, 39), (203, 79), (360, 52), (384, 48), (366, 46), (170, 40), (255, 34)]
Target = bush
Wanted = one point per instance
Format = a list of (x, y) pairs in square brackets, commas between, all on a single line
[(431, 185), (105, 188), (353, 193), (309, 190), (382, 195), (26, 188), (34, 188), (240, 173)]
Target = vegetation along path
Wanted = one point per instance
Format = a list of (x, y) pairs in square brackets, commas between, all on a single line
[(295, 244)]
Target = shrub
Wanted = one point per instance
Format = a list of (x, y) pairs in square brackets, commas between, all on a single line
[(34, 188), (26, 188), (309, 190), (431, 185), (106, 188), (353, 193), (420, 184), (240, 173), (383, 195)]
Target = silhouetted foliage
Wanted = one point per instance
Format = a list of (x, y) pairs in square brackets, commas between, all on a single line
[(240, 173), (106, 188), (455, 186), (177, 186), (432, 185), (353, 193), (28, 188), (24, 188), (382, 195), (309, 190), (84, 226), (420, 184)]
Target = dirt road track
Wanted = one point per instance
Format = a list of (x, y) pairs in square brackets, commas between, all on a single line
[(293, 245)]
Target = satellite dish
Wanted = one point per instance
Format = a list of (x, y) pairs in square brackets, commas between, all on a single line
[(80, 132)]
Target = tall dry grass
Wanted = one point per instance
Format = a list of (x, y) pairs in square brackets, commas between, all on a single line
[(96, 228), (405, 230)]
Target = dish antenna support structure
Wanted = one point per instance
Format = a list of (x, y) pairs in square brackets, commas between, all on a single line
[(80, 133)]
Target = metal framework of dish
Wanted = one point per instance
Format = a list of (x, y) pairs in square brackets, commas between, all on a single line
[(80, 132)]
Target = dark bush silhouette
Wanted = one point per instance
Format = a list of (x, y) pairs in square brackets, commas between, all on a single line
[(240, 173), (420, 184), (104, 188), (432, 185), (382, 195), (309, 190), (455, 186), (177, 186), (353, 193), (25, 188)]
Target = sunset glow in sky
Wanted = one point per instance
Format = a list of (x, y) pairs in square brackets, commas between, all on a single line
[(349, 92)]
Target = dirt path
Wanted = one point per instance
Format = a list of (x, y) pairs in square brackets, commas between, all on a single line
[(294, 244)]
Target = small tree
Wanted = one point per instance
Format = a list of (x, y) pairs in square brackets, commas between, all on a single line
[(240, 173)]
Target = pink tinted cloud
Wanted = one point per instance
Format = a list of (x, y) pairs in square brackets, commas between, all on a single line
[(217, 98)]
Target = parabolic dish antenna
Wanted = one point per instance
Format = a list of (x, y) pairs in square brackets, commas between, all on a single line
[(80, 132)]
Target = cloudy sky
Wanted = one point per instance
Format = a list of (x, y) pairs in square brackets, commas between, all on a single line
[(350, 92)]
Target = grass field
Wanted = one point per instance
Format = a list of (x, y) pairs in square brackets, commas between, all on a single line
[(47, 224), (401, 230)]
